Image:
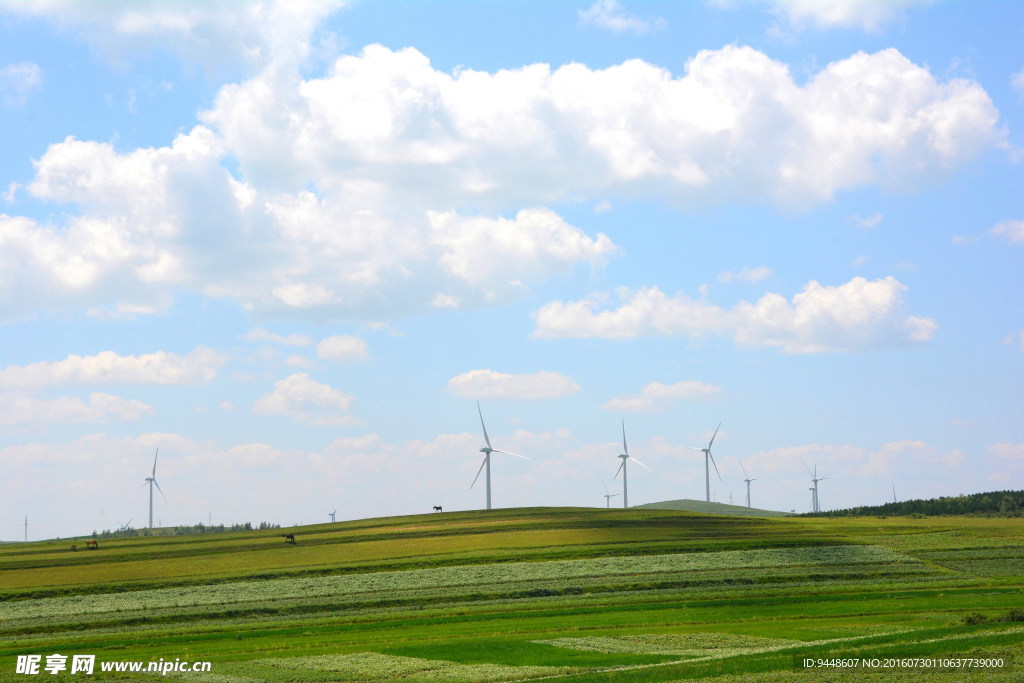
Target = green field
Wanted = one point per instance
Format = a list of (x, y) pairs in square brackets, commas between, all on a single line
[(690, 505), (563, 594)]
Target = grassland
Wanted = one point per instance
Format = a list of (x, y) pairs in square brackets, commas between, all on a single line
[(552, 594), (690, 505)]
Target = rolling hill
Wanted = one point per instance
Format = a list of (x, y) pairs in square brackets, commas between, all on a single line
[(688, 505), (557, 593)]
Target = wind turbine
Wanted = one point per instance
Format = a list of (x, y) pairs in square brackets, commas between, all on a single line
[(151, 480), (331, 515), (622, 468), (707, 456), (815, 478), (894, 492), (487, 450), (608, 496), (748, 480), (124, 527)]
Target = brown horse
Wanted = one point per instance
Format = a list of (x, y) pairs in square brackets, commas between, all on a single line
[(289, 538), (91, 544), (74, 547)]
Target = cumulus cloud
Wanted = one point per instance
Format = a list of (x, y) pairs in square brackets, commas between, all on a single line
[(868, 15), (611, 16), (23, 410), (857, 315), (161, 367), (1017, 81), (1013, 452), (215, 33), (335, 196), (18, 82), (746, 274), (864, 222), (1011, 231), (492, 384), (656, 396), (299, 397), (342, 348)]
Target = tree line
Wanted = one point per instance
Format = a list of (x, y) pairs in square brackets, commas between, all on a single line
[(992, 504)]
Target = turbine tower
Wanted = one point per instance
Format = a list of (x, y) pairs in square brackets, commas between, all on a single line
[(487, 450), (748, 480), (894, 492), (622, 468), (608, 496), (708, 456), (815, 479), (151, 480)]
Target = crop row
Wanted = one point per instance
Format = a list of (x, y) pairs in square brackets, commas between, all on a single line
[(450, 577)]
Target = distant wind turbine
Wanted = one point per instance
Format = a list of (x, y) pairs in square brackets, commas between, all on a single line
[(487, 450), (708, 456), (815, 478), (124, 527), (894, 492), (622, 468), (331, 515), (151, 480), (748, 480), (608, 496)]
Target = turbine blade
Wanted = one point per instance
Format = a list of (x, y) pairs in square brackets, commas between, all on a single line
[(161, 491), (744, 469), (714, 435), (612, 495), (605, 487), (694, 448), (510, 453), (144, 483), (640, 463), (478, 472), (621, 465), (715, 464), (806, 467), (154, 460), (486, 438), (624, 448)]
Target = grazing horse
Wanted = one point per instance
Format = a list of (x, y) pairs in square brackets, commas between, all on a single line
[(289, 538), (91, 544), (74, 547), (437, 508)]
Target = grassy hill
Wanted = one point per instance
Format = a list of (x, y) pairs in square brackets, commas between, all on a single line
[(688, 505), (560, 593)]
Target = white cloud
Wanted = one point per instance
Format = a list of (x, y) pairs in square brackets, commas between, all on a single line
[(216, 33), (1011, 231), (1017, 338), (482, 250), (342, 348), (868, 15), (655, 396), (1010, 451), (22, 410), (491, 384), (746, 274), (1017, 81), (260, 334), (198, 367), (863, 222), (18, 82), (441, 300), (343, 203), (299, 397), (611, 16), (962, 239), (857, 315)]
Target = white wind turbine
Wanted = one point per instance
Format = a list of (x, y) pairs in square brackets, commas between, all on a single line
[(622, 468), (748, 480), (331, 515), (151, 480), (815, 479), (707, 471), (608, 496), (487, 450)]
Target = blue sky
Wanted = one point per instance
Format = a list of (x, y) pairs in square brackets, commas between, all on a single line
[(292, 244)]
